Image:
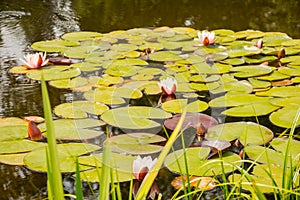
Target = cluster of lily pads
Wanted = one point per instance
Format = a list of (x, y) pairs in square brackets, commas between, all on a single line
[(247, 73)]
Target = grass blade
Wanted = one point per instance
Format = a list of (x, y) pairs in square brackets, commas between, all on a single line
[(78, 186), (105, 172), (54, 175)]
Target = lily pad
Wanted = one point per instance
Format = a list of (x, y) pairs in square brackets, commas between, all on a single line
[(230, 100), (69, 83), (36, 160), (251, 71), (53, 45), (134, 117), (74, 129), (136, 143), (165, 56), (197, 163), (284, 117), (13, 132), (13, 159), (288, 91), (250, 110), (81, 35), (53, 73), (191, 119), (79, 109), (177, 106), (245, 132), (19, 146)]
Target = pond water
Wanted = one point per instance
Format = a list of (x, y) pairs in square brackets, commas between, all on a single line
[(23, 22)]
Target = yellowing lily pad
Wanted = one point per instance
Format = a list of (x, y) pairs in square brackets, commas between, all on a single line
[(288, 91), (134, 117), (79, 109), (13, 159), (13, 132), (245, 132), (177, 106)]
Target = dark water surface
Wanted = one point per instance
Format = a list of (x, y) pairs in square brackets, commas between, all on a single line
[(23, 22)]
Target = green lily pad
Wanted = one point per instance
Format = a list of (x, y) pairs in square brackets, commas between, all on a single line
[(177, 106), (289, 71), (105, 80), (204, 68), (134, 117), (251, 71), (233, 87), (13, 132), (234, 61), (80, 51), (239, 51), (286, 101), (203, 78), (198, 164), (112, 95), (275, 40), (53, 45), (19, 146), (274, 76), (54, 72), (288, 91), (258, 84), (126, 62), (280, 144), (78, 129), (122, 70), (265, 177), (250, 110), (69, 83), (284, 117), (245, 132), (165, 56), (79, 109), (124, 47), (36, 160), (86, 66), (120, 164), (81, 35), (136, 143), (230, 100), (257, 59)]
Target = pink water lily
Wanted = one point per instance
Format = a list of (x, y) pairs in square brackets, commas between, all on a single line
[(168, 86), (141, 166), (206, 37), (35, 61)]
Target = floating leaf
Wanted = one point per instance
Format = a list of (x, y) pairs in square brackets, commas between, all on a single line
[(288, 91), (177, 106), (197, 163), (233, 87), (274, 76), (69, 83), (81, 35), (287, 101), (134, 117), (284, 117), (251, 71), (258, 84), (79, 109), (165, 56), (53, 45), (230, 100), (19, 146), (13, 159), (13, 132), (245, 132), (252, 109), (12, 121), (136, 143), (191, 119), (204, 68), (201, 183), (36, 160), (53, 73), (79, 129)]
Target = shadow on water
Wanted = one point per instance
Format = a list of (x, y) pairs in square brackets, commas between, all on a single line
[(23, 22)]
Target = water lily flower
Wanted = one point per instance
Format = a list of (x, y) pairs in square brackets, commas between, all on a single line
[(168, 86), (206, 37), (35, 61), (141, 166)]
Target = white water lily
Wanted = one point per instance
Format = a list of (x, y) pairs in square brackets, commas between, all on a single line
[(141, 166), (206, 37), (35, 61), (168, 86)]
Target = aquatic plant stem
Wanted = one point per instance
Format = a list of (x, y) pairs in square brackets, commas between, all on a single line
[(150, 177), (55, 174)]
